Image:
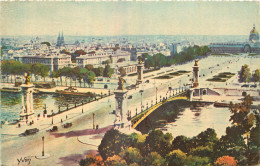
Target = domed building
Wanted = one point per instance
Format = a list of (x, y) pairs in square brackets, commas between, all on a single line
[(254, 36), (252, 46)]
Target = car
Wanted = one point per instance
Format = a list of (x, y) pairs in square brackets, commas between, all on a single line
[(253, 86), (147, 81), (54, 128), (245, 85), (67, 125), (130, 97), (30, 131)]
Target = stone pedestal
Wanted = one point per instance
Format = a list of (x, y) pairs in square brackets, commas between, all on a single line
[(140, 71), (195, 76), (27, 102), (121, 108)]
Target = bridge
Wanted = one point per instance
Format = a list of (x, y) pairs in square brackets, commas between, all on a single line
[(137, 119)]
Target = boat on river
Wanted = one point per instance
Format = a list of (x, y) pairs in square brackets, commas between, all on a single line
[(10, 89), (74, 91)]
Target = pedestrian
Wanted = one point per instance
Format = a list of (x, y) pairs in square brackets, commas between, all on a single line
[(96, 127), (61, 120), (66, 117)]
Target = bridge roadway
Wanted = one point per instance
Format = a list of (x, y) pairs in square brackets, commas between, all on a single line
[(136, 120)]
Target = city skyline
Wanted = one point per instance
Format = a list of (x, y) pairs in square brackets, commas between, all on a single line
[(128, 18)]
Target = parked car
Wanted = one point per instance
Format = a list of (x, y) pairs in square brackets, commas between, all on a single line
[(245, 85), (30, 131), (67, 125), (130, 97), (54, 128), (147, 81), (253, 86)]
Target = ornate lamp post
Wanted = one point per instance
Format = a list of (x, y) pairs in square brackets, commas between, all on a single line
[(156, 94), (52, 117), (43, 146), (93, 121)]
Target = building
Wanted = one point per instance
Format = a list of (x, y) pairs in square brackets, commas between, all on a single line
[(54, 62), (252, 46), (129, 69), (60, 40), (98, 57)]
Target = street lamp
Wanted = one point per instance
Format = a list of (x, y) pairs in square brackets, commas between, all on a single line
[(93, 121), (156, 94), (43, 146), (52, 116), (141, 91)]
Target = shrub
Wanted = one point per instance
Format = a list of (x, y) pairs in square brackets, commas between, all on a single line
[(176, 158), (226, 161)]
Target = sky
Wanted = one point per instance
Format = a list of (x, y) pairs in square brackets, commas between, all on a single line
[(128, 18)]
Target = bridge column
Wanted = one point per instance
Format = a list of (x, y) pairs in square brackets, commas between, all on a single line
[(140, 71), (121, 105), (27, 100), (196, 74)]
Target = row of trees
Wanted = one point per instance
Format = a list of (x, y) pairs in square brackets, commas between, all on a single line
[(14, 68), (246, 76), (159, 60), (87, 74), (159, 149)]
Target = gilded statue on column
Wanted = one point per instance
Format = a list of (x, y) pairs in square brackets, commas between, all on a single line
[(196, 63), (121, 83), (140, 60), (27, 78)]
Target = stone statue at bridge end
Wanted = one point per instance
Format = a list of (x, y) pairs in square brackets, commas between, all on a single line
[(121, 83), (27, 78)]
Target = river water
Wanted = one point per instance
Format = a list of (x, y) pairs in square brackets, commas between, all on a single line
[(11, 103)]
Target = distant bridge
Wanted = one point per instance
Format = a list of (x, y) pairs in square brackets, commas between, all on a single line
[(136, 120)]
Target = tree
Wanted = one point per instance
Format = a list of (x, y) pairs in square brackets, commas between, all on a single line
[(149, 62), (108, 72), (91, 160), (54, 74), (155, 159), (244, 75), (122, 71), (156, 141), (113, 143), (256, 76), (241, 115), (47, 43), (183, 143), (207, 138), (131, 155), (98, 71), (226, 161), (65, 52), (160, 60), (232, 144), (84, 73), (110, 58), (176, 157), (197, 160), (40, 69), (80, 52), (91, 78), (77, 75), (115, 160), (89, 67)]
